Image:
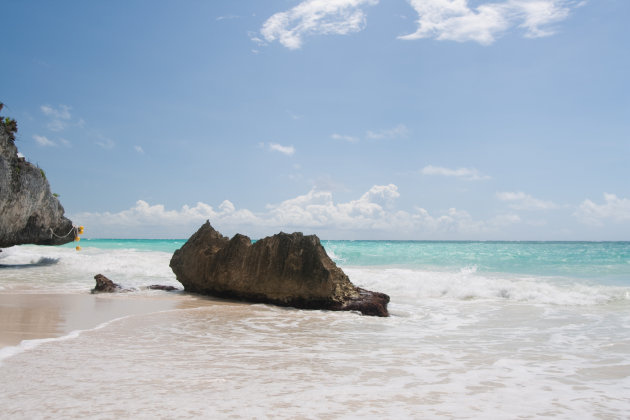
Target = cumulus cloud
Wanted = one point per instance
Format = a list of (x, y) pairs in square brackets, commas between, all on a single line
[(143, 219), (285, 150), (138, 149), (456, 20), (469, 174), (400, 130), (44, 141), (614, 208), (521, 201), (372, 215), (314, 17)]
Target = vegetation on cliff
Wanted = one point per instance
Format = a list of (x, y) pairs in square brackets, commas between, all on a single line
[(29, 212)]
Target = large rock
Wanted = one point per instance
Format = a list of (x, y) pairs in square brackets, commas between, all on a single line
[(30, 214), (284, 269)]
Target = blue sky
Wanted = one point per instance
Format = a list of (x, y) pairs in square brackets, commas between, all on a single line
[(350, 119)]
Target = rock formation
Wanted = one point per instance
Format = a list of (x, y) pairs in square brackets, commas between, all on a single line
[(29, 213), (284, 269), (105, 285)]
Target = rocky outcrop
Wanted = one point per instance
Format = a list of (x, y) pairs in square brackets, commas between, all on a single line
[(105, 285), (284, 269), (29, 213)]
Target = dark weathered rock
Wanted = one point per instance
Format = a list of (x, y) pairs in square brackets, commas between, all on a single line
[(284, 269), (105, 285), (162, 287), (29, 212)]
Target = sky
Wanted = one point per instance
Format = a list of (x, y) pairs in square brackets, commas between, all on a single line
[(349, 119)]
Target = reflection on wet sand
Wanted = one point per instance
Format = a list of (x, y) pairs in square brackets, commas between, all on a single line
[(34, 316)]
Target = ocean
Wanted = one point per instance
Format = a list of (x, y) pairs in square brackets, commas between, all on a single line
[(499, 330)]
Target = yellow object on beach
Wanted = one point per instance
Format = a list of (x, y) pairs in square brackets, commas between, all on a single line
[(80, 230), (77, 239), (78, 248)]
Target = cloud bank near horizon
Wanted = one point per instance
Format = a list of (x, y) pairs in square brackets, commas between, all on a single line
[(372, 215)]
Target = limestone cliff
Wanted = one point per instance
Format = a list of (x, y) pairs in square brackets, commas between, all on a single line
[(29, 212)]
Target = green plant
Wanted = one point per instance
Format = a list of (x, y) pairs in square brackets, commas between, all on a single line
[(43, 173), (55, 195), (9, 124)]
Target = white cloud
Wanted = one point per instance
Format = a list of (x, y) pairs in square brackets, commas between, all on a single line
[(138, 149), (400, 130), (63, 112), (349, 139), (372, 215), (227, 17), (286, 150), (315, 17), (456, 20), (143, 218), (106, 143), (614, 208), (469, 174), (59, 116), (43, 141), (521, 201), (294, 116)]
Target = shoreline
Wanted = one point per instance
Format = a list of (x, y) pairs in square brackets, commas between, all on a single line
[(34, 316)]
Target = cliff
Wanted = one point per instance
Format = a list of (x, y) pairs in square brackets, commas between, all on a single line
[(29, 212)]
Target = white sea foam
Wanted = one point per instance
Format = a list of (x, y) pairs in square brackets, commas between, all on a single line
[(74, 271), (468, 284)]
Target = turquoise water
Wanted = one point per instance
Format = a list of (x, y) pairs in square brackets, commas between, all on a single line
[(163, 245), (601, 262), (608, 262)]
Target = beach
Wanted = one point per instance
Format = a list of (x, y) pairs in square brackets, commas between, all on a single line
[(461, 342)]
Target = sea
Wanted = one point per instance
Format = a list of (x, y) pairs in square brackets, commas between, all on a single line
[(487, 330)]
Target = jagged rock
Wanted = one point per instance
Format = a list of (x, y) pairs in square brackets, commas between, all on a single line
[(30, 214), (105, 285), (284, 269)]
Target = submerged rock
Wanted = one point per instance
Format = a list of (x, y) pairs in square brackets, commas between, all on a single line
[(31, 214), (284, 269), (162, 287)]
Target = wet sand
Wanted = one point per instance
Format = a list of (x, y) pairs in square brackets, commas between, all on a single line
[(36, 316)]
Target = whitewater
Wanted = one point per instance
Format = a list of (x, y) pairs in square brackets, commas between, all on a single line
[(477, 330)]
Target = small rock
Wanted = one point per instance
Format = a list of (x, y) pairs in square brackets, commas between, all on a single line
[(162, 287), (105, 285)]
